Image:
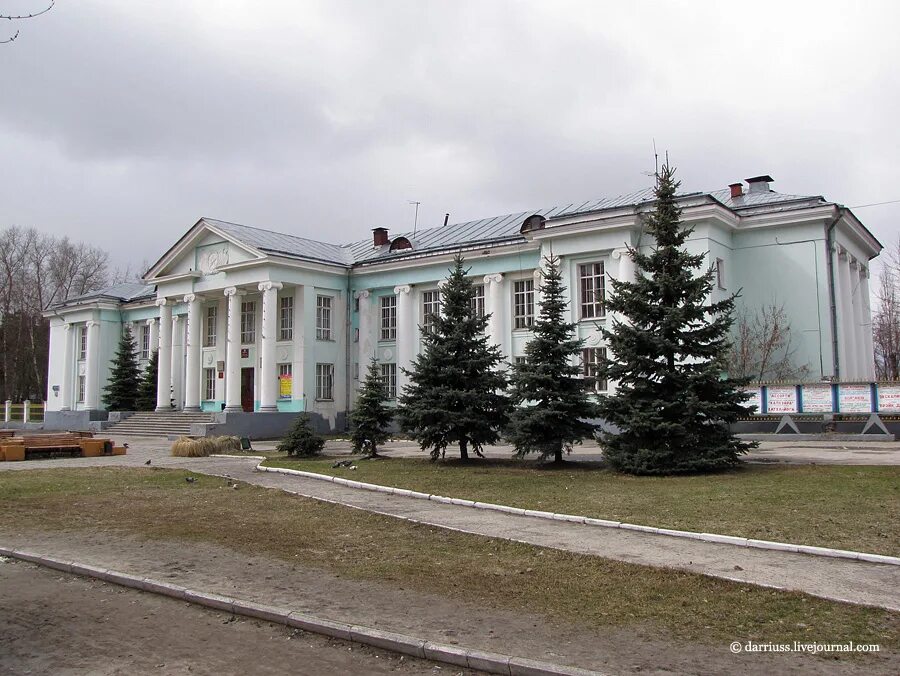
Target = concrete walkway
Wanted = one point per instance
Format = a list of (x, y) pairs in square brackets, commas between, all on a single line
[(837, 579)]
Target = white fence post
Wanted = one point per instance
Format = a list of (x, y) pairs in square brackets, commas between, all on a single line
[(26, 411), (7, 411)]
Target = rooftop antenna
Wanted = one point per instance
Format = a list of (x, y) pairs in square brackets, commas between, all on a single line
[(415, 222)]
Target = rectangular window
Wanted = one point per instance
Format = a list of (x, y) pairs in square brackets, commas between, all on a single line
[(209, 384), (593, 290), (389, 380), (325, 382), (720, 272), (323, 318), (285, 381), (81, 387), (286, 318), (248, 322), (523, 304), (520, 360), (389, 317), (82, 343), (145, 342), (431, 305), (591, 358), (209, 335), (478, 300)]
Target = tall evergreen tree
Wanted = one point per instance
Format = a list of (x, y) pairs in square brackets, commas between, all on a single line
[(456, 389), (371, 418), (672, 405), (121, 393), (552, 406), (146, 399)]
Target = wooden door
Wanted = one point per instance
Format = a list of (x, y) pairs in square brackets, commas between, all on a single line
[(247, 389)]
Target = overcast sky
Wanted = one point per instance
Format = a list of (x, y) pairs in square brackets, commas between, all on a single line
[(122, 123)]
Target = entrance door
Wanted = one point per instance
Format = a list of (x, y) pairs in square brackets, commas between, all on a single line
[(247, 390)]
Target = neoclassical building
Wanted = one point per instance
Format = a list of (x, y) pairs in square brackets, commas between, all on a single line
[(250, 322)]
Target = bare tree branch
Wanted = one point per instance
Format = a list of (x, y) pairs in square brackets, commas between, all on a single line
[(762, 348), (22, 17)]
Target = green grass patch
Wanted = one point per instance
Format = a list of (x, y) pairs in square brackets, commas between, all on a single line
[(566, 588), (845, 507)]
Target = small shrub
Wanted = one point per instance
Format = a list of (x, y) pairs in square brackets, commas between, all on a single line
[(227, 444), (301, 440), (185, 447)]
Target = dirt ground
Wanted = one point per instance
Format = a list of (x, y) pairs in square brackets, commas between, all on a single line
[(384, 605), (53, 623)]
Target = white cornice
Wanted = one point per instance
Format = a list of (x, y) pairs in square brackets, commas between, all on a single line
[(472, 252)]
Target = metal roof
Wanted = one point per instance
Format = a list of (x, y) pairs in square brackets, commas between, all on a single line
[(124, 292), (281, 244)]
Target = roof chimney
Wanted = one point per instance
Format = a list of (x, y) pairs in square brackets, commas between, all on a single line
[(446, 218), (380, 237), (737, 189), (760, 183)]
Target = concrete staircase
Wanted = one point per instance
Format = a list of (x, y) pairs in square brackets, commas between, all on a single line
[(153, 424)]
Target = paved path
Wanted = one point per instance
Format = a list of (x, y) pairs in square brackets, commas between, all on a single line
[(853, 581)]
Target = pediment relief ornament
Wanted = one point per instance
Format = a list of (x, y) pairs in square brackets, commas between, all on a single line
[(212, 258)]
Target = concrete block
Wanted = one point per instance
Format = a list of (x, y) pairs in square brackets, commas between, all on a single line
[(538, 513), (31, 557), (522, 666), (57, 564), (404, 492), (573, 518), (639, 528), (461, 502), (879, 558), (678, 533), (826, 551), (418, 495), (209, 600), (723, 539), (491, 662), (605, 523), (388, 640), (176, 591), (449, 654), (319, 626), (261, 612), (765, 544), (441, 498), (87, 570), (518, 511)]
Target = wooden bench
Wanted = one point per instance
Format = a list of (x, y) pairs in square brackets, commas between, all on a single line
[(6, 434), (47, 445)]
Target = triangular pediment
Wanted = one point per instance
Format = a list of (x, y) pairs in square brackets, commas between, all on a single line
[(201, 251)]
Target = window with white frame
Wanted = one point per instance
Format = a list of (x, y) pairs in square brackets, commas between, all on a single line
[(145, 342), (325, 382), (285, 381), (209, 333), (592, 283), (209, 384), (286, 318), (478, 299), (82, 343), (431, 306), (720, 272), (81, 389), (520, 361), (523, 304), (323, 318), (591, 358), (389, 380), (389, 317), (248, 322)]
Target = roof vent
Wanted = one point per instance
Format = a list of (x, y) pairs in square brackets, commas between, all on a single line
[(401, 243), (760, 183), (380, 237), (737, 190), (535, 222)]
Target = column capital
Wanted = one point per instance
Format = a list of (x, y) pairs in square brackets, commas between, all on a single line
[(67, 326), (234, 291), (618, 253), (190, 297), (403, 288), (91, 324), (442, 283), (364, 293), (151, 321), (268, 286), (176, 319), (160, 302), (494, 278)]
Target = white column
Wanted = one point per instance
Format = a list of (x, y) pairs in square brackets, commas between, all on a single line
[(627, 267), (164, 349), (495, 305), (868, 363), (68, 368), (233, 351), (154, 335), (538, 281), (406, 333), (858, 338), (366, 348), (177, 362), (92, 367), (268, 386), (840, 306), (193, 361), (848, 370)]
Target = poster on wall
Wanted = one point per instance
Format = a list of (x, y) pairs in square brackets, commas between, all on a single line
[(781, 399), (285, 387), (817, 399), (755, 400), (889, 398), (855, 398)]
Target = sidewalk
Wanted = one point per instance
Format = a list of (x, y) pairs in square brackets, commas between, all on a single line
[(837, 579)]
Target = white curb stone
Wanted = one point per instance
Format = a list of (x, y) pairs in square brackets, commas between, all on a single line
[(166, 588), (261, 612), (723, 539), (640, 529), (319, 626), (446, 653), (765, 544), (211, 600), (538, 513), (605, 523), (389, 641), (568, 517)]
